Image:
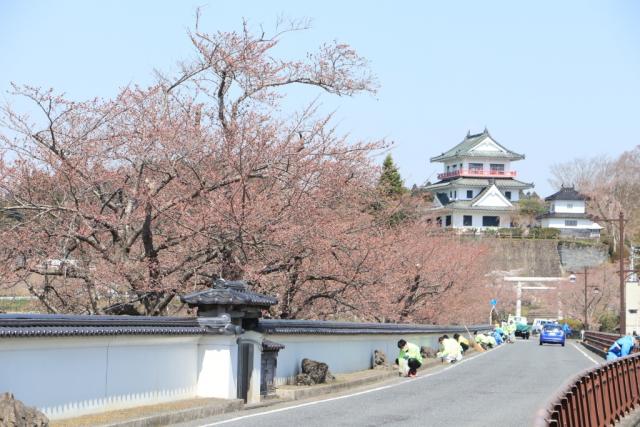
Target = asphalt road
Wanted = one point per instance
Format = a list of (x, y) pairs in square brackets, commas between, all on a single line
[(503, 387)]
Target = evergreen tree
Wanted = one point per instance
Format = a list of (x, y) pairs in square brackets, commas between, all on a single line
[(390, 182)]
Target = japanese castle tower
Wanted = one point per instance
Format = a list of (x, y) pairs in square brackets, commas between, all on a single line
[(477, 187), (567, 212)]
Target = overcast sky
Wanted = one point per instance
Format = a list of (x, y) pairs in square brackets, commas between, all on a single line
[(554, 80)]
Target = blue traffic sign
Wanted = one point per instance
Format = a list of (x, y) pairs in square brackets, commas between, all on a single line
[(494, 302)]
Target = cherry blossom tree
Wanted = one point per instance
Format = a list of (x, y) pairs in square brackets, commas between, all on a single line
[(119, 205), (612, 184)]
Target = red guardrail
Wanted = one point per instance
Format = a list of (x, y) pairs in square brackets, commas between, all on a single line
[(599, 342), (596, 397)]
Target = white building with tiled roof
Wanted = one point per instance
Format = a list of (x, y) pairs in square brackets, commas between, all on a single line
[(568, 213), (477, 187)]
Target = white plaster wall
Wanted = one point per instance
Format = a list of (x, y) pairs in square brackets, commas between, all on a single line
[(515, 194), (343, 353), (461, 193), (562, 206), (217, 367), (632, 303), (486, 164), (73, 376), (457, 220), (559, 223)]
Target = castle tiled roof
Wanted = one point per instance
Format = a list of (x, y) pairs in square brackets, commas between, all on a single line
[(465, 149), (567, 193), (480, 182), (467, 205)]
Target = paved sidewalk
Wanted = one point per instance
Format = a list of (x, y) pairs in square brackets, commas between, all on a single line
[(194, 409)]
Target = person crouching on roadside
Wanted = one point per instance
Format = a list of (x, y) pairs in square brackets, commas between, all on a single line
[(451, 351), (411, 353), (464, 343), (622, 347)]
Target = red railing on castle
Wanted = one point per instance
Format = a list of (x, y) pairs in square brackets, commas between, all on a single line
[(597, 397), (477, 173)]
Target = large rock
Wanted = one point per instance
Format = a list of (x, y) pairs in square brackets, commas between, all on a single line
[(304, 379), (379, 359), (317, 372), (14, 413)]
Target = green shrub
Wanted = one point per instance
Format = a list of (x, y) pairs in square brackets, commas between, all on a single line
[(490, 231), (609, 321), (544, 233)]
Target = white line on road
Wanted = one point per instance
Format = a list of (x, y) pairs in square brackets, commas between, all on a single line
[(585, 354), (421, 377)]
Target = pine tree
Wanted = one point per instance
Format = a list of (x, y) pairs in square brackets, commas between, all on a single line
[(390, 182)]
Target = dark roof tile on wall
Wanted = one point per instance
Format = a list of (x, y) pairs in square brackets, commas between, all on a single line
[(229, 293), (320, 327), (56, 325)]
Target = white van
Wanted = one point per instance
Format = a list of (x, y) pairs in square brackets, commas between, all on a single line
[(538, 324), (516, 319)]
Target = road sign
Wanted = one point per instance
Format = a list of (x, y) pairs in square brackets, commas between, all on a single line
[(494, 302)]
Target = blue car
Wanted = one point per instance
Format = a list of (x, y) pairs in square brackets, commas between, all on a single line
[(552, 333)]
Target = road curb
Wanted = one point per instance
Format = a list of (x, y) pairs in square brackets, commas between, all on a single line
[(318, 390), (176, 417), (165, 417), (597, 350)]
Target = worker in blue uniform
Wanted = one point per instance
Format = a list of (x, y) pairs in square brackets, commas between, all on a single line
[(622, 347)]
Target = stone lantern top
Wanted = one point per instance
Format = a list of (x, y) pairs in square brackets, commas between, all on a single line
[(233, 298)]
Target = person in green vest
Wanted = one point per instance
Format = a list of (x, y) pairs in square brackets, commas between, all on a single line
[(450, 350), (464, 343), (411, 354), (486, 341), (511, 331)]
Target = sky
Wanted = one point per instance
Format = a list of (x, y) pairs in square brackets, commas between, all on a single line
[(555, 80)]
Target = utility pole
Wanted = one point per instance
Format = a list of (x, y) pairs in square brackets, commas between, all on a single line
[(623, 288), (586, 318)]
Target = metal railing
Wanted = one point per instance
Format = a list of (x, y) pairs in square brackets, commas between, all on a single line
[(599, 396), (599, 342), (476, 173)]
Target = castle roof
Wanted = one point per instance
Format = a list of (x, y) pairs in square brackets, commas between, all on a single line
[(506, 183), (567, 193), (477, 202), (480, 145)]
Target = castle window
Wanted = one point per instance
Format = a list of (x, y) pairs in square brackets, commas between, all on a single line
[(491, 221), (469, 194), (476, 167), (570, 222), (467, 220), (496, 169), (507, 194)]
